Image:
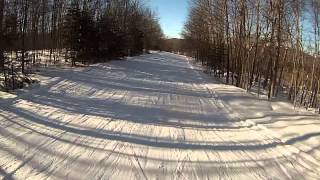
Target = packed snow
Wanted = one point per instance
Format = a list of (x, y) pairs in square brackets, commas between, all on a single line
[(154, 116)]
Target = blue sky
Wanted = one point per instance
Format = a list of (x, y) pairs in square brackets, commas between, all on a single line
[(172, 15)]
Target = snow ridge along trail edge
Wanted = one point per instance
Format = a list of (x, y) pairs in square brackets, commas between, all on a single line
[(151, 117)]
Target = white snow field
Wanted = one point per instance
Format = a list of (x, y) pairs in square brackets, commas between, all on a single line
[(152, 117)]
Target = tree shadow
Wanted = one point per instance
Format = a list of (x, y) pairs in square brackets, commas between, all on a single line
[(236, 165), (160, 79), (6, 176), (156, 141)]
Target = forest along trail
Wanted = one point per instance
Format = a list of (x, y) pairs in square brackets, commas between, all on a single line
[(154, 116)]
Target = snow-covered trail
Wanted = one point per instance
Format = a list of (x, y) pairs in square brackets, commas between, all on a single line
[(151, 117)]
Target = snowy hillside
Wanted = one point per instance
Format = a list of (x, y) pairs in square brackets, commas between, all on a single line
[(151, 117)]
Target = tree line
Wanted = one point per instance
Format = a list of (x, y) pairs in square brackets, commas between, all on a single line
[(269, 45), (85, 31)]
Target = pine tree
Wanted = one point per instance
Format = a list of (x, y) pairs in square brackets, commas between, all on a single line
[(72, 30)]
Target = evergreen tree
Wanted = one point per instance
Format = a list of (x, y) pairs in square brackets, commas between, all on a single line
[(72, 30)]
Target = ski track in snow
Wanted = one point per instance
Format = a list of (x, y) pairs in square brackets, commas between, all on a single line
[(154, 116)]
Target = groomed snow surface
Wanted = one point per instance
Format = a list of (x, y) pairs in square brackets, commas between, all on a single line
[(152, 117)]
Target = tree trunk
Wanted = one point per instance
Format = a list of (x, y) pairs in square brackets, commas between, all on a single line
[(1, 37), (24, 29)]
